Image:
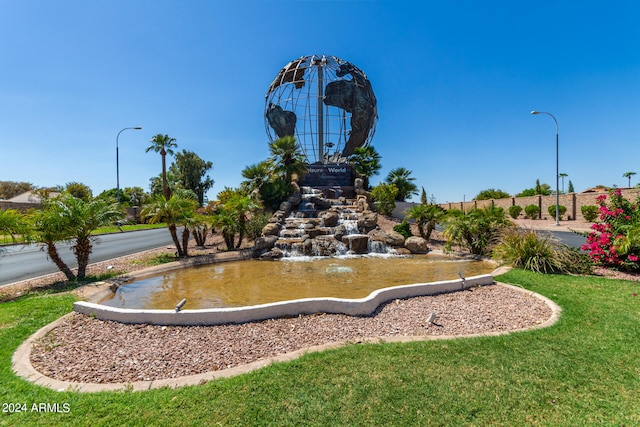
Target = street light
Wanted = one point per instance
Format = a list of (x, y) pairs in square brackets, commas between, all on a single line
[(557, 169), (118, 163)]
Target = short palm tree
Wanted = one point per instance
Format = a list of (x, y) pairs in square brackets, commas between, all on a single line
[(426, 217), (287, 158), (13, 223), (402, 179), (366, 162), (164, 145), (68, 218), (179, 210)]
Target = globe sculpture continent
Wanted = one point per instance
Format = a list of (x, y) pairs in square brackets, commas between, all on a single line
[(326, 103)]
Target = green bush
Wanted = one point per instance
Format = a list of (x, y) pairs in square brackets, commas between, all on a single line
[(561, 210), (403, 228), (532, 211), (541, 253), (589, 212), (384, 196), (514, 211)]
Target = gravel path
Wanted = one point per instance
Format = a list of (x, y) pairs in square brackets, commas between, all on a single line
[(84, 349)]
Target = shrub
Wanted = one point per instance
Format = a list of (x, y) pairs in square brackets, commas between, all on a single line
[(384, 196), (403, 228), (542, 253), (477, 230), (514, 211), (615, 240), (532, 211), (561, 211), (589, 212)]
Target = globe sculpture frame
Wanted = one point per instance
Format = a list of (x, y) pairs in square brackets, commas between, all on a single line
[(327, 103)]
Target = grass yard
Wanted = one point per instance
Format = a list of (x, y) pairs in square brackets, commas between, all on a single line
[(585, 370)]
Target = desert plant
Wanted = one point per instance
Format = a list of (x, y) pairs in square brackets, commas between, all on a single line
[(384, 196), (477, 230), (514, 211), (403, 228), (561, 211), (589, 212), (542, 253), (532, 211)]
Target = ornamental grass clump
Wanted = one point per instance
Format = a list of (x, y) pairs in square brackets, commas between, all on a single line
[(542, 253)]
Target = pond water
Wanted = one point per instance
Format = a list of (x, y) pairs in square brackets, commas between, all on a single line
[(252, 282)]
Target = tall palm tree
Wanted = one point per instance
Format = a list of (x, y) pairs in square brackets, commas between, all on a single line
[(402, 179), (366, 162), (287, 158), (164, 145), (628, 175)]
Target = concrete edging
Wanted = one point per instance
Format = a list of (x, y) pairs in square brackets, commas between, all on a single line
[(216, 316)]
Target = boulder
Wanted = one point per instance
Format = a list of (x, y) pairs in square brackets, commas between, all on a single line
[(330, 218), (271, 229), (392, 238), (368, 221), (357, 243), (266, 242), (417, 245)]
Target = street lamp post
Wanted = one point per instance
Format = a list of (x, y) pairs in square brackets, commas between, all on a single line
[(118, 162), (557, 168)]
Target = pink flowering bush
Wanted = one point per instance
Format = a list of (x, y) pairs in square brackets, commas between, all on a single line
[(614, 241)]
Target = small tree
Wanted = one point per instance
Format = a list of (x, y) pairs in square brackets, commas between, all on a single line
[(13, 223), (68, 218), (532, 211), (366, 162), (492, 194), (561, 211), (179, 210), (426, 217), (384, 196), (589, 212), (570, 188), (402, 179), (514, 211)]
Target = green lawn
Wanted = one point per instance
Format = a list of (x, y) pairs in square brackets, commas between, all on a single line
[(585, 370)]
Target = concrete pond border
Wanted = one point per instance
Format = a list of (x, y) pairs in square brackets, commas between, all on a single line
[(23, 368)]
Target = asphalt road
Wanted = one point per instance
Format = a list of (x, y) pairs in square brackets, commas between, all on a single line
[(21, 262)]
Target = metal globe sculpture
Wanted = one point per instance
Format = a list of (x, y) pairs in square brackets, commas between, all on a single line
[(327, 103)]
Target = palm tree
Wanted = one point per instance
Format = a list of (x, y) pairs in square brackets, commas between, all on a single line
[(425, 215), (164, 145), (628, 175), (179, 210), (256, 176), (401, 178), (366, 162), (13, 223), (287, 158), (232, 215), (68, 218)]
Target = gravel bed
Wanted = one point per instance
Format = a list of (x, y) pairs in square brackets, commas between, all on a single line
[(84, 349)]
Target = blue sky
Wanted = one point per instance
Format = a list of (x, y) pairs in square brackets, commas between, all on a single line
[(455, 82)]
